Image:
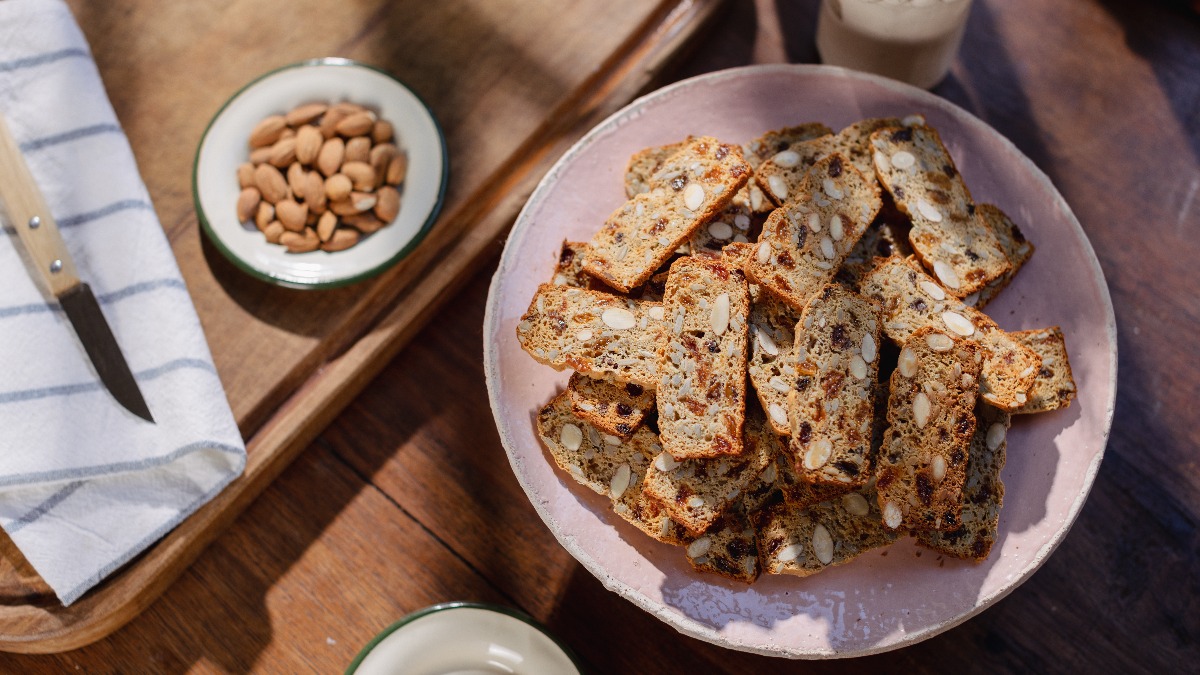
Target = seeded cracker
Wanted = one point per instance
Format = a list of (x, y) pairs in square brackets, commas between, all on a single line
[(597, 334), (984, 492), (695, 492), (616, 408), (702, 359), (690, 188), (606, 465), (780, 174), (804, 242), (1054, 387), (1016, 248), (831, 406), (912, 299), (921, 468), (950, 238), (806, 541)]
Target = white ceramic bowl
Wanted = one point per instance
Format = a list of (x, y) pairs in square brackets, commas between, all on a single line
[(223, 147), (463, 637), (885, 599)]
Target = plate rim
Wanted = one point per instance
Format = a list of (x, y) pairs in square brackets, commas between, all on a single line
[(339, 282), (461, 604), (688, 625)]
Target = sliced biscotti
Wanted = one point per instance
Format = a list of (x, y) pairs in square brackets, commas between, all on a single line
[(729, 548), (801, 494), (803, 243), (569, 269), (767, 146), (805, 541), (691, 187), (696, 492), (772, 365), (912, 299), (949, 236), (983, 494), (616, 408), (702, 359), (831, 406), (729, 226), (779, 176), (647, 514), (1054, 386), (886, 237), (921, 468), (644, 164), (1016, 248), (597, 334)]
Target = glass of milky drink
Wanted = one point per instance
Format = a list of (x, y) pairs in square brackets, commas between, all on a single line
[(914, 41)]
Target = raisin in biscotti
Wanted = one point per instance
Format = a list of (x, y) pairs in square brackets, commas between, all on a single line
[(729, 548), (606, 465), (770, 144), (1054, 387), (984, 492), (597, 334), (772, 364), (801, 494), (616, 408), (702, 359), (805, 541), (832, 405), (644, 164), (1016, 248), (886, 237), (912, 299), (949, 236), (804, 242), (921, 467), (696, 492), (779, 176), (691, 187)]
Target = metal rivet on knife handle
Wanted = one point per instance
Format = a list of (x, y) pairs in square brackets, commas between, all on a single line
[(56, 267), (35, 222)]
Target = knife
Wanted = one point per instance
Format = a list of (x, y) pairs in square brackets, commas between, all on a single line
[(39, 234)]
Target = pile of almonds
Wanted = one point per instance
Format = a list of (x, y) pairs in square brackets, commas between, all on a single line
[(321, 176)]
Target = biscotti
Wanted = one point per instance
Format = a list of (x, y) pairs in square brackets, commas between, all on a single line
[(804, 242), (702, 359), (779, 176), (728, 549), (831, 406), (597, 334), (912, 299), (569, 269), (772, 364), (1016, 248), (616, 408), (983, 495), (729, 226), (921, 468), (886, 237), (1054, 386), (949, 236), (770, 144), (696, 492), (644, 164), (691, 187), (805, 541)]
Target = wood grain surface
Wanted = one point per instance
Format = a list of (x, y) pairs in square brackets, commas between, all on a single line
[(407, 498)]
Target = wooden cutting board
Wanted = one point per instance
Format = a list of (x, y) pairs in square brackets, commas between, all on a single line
[(512, 82)]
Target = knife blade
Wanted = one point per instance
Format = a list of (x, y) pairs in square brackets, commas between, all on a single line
[(48, 255)]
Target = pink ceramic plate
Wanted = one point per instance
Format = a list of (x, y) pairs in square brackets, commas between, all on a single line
[(886, 599)]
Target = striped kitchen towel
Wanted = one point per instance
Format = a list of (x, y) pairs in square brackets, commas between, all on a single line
[(84, 484)]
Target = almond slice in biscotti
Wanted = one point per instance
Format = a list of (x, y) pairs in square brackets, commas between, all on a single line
[(805, 541), (616, 408), (696, 492), (949, 236), (702, 359), (644, 163), (597, 334), (801, 494), (886, 237), (728, 548), (832, 402), (1054, 386), (983, 494), (779, 175), (691, 187), (772, 365), (912, 299), (1017, 249), (568, 271), (770, 144), (921, 467), (804, 242), (607, 465)]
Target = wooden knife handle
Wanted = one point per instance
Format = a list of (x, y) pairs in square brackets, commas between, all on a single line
[(28, 213)]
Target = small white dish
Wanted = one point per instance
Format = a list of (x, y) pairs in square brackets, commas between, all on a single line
[(463, 637), (223, 147)]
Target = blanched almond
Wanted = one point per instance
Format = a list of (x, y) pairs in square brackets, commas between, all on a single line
[(292, 214), (283, 152), (358, 149), (308, 144), (342, 239), (303, 114), (268, 131), (387, 204), (247, 204), (329, 159), (361, 174), (270, 183), (338, 187)]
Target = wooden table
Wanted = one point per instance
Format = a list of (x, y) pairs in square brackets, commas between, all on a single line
[(407, 498)]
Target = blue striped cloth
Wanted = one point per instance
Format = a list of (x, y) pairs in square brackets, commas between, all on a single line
[(84, 484)]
